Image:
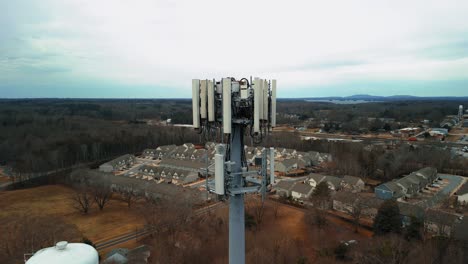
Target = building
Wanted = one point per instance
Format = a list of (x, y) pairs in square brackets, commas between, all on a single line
[(352, 183), (442, 132), (120, 163), (284, 188), (462, 194), (370, 206), (139, 255), (334, 183), (409, 211), (301, 191), (407, 186), (187, 165), (345, 202), (439, 222), (286, 165), (315, 179)]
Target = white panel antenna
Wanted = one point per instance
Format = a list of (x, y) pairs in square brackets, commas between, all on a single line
[(257, 105), (211, 102), (260, 95), (265, 100), (227, 124), (244, 92), (203, 98), (273, 103), (272, 165), (196, 102), (219, 174)]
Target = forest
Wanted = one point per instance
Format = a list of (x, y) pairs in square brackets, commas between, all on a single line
[(39, 135)]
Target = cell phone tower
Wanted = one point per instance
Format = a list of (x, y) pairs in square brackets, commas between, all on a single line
[(236, 108)]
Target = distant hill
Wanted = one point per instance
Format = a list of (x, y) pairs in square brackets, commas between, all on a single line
[(374, 98)]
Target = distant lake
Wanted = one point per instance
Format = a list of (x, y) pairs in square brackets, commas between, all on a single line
[(343, 101)]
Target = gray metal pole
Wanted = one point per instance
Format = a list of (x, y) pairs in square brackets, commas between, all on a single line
[(236, 202)]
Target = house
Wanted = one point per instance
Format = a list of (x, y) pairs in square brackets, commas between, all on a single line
[(315, 179), (407, 186), (137, 255), (409, 211), (388, 190), (462, 194), (370, 206), (460, 229), (301, 191), (439, 222), (334, 183), (438, 132), (149, 153), (352, 183), (187, 165), (286, 165), (345, 202), (119, 163), (283, 188)]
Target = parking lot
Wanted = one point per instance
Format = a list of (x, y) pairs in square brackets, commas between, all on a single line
[(434, 195)]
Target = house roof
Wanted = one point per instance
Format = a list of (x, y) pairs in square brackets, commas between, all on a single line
[(394, 187), (302, 188), (182, 164), (463, 190), (285, 185), (335, 181), (351, 179), (461, 229), (317, 177), (370, 202), (411, 210), (440, 217), (346, 197), (289, 162), (121, 158)]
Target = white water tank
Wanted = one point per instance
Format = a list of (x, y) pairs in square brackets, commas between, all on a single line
[(63, 252)]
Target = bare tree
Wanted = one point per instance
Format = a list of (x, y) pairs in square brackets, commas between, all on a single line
[(129, 195), (257, 207), (82, 199), (102, 192), (26, 234), (356, 213)]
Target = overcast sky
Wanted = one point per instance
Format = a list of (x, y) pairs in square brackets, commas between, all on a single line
[(152, 48)]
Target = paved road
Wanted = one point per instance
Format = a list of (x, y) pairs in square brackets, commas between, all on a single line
[(378, 140)]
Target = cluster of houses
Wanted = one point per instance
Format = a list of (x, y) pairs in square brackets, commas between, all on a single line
[(435, 221), (172, 171), (188, 151), (302, 190), (449, 122), (182, 164), (349, 197), (408, 186), (121, 163)]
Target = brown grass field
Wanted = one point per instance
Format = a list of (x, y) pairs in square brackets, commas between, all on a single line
[(55, 201)]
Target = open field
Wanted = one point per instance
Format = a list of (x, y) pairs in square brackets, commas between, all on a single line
[(290, 224), (55, 201)]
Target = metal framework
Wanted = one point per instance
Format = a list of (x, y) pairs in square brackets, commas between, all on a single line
[(229, 110)]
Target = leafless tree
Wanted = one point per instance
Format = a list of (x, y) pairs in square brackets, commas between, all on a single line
[(257, 206), (102, 192), (26, 234), (82, 199), (356, 213), (129, 194)]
